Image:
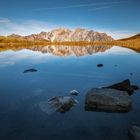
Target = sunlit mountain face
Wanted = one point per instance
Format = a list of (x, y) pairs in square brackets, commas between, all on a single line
[(64, 34)]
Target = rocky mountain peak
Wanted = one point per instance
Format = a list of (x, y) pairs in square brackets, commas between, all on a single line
[(65, 34)]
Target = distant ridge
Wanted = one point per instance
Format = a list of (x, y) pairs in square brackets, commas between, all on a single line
[(137, 36)]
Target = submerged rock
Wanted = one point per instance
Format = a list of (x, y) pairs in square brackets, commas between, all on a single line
[(134, 132), (100, 65), (62, 104), (109, 100), (131, 73), (30, 70), (45, 107), (124, 86), (74, 92)]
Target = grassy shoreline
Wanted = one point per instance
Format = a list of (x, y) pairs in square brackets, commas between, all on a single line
[(132, 44)]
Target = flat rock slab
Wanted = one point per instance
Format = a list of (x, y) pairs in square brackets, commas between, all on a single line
[(134, 132), (109, 100)]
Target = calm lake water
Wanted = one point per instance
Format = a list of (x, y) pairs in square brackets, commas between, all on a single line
[(61, 70)]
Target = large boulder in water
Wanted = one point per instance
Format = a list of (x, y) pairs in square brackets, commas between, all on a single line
[(124, 86), (109, 100)]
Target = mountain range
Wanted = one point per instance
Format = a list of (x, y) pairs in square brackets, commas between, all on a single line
[(67, 37), (64, 34)]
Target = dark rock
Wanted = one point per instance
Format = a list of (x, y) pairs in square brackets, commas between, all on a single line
[(134, 132), (100, 65), (109, 100), (62, 104), (135, 87), (74, 92), (30, 70), (124, 86)]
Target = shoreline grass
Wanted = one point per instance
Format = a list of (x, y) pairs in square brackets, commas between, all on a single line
[(11, 42)]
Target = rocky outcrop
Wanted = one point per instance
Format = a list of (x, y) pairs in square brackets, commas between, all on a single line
[(88, 35), (124, 86), (109, 100)]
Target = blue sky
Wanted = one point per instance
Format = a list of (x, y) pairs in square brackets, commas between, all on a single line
[(118, 18)]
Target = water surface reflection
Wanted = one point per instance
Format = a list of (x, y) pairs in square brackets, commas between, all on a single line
[(60, 71)]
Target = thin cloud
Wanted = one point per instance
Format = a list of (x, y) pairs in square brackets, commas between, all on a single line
[(122, 33), (100, 8), (34, 26), (4, 20), (81, 5), (24, 28), (117, 33)]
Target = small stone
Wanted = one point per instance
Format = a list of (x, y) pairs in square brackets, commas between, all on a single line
[(30, 70), (100, 65), (74, 92)]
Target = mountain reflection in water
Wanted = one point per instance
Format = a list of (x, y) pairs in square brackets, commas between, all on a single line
[(64, 50)]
